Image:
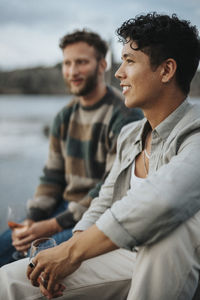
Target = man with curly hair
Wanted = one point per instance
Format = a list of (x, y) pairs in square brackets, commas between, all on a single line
[(140, 238)]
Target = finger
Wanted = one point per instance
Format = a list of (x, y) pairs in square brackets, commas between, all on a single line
[(35, 274), (48, 294), (21, 232), (44, 291), (59, 287), (45, 275), (13, 235), (30, 267), (23, 248), (51, 284), (58, 292), (44, 279), (20, 241), (54, 287)]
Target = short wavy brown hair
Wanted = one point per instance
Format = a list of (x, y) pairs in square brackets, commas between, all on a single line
[(89, 37)]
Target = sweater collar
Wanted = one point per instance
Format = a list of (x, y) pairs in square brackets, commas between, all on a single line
[(100, 102)]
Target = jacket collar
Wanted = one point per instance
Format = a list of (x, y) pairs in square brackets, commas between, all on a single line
[(166, 126)]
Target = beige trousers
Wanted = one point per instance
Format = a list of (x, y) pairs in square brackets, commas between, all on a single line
[(106, 277), (166, 270)]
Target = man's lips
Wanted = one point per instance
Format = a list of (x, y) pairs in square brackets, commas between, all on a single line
[(125, 88), (76, 82)]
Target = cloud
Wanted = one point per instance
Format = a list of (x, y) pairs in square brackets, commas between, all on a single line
[(30, 30)]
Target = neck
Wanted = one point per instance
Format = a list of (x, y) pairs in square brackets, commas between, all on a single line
[(94, 96), (147, 143), (158, 112)]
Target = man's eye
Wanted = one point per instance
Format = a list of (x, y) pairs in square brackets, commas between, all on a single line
[(82, 62), (129, 61)]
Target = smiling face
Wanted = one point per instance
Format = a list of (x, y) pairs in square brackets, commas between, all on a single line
[(141, 84), (80, 68)]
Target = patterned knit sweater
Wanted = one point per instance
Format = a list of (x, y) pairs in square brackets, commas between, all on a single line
[(81, 152)]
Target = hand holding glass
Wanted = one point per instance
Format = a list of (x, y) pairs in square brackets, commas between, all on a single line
[(14, 218), (37, 246)]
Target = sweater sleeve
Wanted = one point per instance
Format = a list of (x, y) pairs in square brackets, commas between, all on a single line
[(101, 203), (120, 117), (52, 183)]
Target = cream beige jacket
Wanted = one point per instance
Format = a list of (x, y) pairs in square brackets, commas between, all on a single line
[(168, 196)]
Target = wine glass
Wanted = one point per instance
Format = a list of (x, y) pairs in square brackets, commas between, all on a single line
[(14, 218), (41, 244), (37, 246)]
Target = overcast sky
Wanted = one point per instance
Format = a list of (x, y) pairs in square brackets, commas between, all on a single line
[(30, 29)]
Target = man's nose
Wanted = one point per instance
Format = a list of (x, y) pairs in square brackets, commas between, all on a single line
[(73, 69), (119, 74)]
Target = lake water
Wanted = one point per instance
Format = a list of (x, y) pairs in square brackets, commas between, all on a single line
[(23, 145)]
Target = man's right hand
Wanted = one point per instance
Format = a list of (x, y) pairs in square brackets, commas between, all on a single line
[(62, 260), (23, 237)]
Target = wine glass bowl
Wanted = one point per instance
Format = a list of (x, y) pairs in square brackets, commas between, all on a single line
[(14, 219), (41, 244), (14, 216)]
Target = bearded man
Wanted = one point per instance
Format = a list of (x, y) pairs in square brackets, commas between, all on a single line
[(82, 146)]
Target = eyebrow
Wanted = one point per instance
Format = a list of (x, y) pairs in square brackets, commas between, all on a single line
[(125, 55), (76, 59)]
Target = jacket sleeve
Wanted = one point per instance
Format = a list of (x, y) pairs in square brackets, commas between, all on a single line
[(52, 184), (166, 199)]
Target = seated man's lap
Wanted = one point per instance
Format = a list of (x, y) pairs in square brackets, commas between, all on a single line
[(108, 275), (62, 236), (6, 248)]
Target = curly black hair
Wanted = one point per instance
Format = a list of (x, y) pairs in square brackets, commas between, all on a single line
[(161, 37), (89, 37)]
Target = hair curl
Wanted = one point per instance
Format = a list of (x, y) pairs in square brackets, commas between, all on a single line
[(161, 37), (89, 37)]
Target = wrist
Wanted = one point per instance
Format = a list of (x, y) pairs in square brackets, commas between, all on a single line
[(76, 251), (28, 222), (55, 227), (88, 244)]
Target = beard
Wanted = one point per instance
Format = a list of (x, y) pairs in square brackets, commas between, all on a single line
[(89, 86)]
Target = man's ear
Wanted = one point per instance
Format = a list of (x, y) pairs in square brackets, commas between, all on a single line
[(102, 65), (168, 71)]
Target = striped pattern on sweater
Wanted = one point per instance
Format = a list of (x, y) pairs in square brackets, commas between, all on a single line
[(81, 152)]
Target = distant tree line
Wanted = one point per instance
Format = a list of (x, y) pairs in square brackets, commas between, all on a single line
[(48, 80)]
